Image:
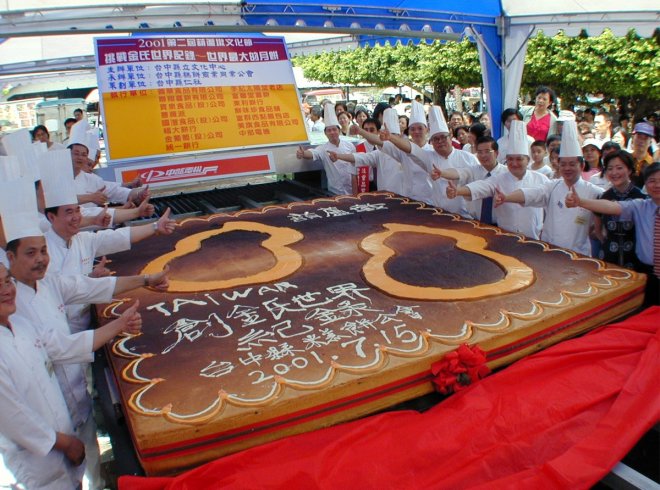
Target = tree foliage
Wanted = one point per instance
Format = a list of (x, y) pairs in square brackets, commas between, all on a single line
[(439, 65), (614, 66)]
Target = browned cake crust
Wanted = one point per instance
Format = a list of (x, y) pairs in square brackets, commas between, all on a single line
[(276, 311)]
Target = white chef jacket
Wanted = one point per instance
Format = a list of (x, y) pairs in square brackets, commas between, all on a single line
[(45, 309), (417, 183), (78, 256), (473, 174), (339, 173), (32, 407), (511, 216), (564, 227), (427, 159), (89, 183), (389, 175)]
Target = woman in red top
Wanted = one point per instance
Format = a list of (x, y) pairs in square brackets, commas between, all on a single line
[(543, 122)]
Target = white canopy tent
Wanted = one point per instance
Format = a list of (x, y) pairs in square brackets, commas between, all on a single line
[(501, 28)]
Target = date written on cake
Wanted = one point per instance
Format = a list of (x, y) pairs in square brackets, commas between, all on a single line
[(337, 325)]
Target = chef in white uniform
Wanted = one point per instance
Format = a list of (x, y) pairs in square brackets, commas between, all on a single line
[(37, 438), (41, 299), (512, 217), (73, 251), (340, 173), (90, 186), (442, 156), (562, 226), (389, 175)]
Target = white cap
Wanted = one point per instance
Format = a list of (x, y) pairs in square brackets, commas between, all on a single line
[(10, 168), (593, 141), (391, 120), (19, 144), (16, 141), (57, 178), (565, 115), (93, 142), (28, 158), (570, 145), (18, 208), (518, 143), (78, 135), (437, 123), (417, 115), (329, 116)]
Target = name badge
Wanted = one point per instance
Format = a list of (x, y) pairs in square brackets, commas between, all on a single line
[(580, 220)]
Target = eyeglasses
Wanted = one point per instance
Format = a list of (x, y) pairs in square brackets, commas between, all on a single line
[(484, 152), (9, 282)]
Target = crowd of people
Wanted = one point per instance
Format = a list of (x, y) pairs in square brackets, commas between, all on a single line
[(573, 180), (539, 178), (55, 223)]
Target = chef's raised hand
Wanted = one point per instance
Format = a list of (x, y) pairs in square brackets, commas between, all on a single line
[(159, 280), (451, 189), (572, 198), (499, 197), (165, 225), (131, 319)]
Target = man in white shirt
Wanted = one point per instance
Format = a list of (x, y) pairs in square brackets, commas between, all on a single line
[(443, 156), (37, 438), (480, 208), (92, 189), (563, 226), (317, 125), (73, 251), (509, 216), (416, 183), (603, 126), (389, 175), (339, 173), (41, 299)]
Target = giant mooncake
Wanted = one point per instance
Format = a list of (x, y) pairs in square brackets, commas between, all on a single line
[(289, 318)]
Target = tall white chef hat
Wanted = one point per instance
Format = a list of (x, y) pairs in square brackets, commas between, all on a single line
[(16, 141), (78, 135), (417, 115), (19, 144), (93, 142), (10, 168), (57, 178), (570, 145), (329, 115), (518, 144), (18, 208), (437, 123), (391, 119)]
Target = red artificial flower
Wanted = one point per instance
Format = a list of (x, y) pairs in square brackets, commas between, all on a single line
[(459, 369)]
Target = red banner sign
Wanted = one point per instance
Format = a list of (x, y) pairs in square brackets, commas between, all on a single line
[(362, 179), (161, 174)]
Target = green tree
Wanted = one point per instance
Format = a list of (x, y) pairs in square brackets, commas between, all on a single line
[(438, 65), (624, 68), (618, 67)]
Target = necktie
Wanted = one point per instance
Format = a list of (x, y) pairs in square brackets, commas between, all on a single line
[(656, 243), (487, 208)]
